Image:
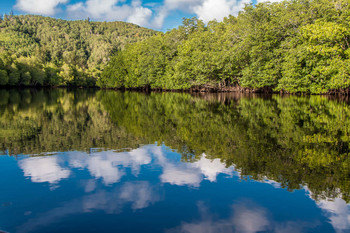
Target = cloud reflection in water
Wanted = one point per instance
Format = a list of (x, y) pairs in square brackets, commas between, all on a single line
[(108, 168), (138, 195), (44, 169), (245, 217)]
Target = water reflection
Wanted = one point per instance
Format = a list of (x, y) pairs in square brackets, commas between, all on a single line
[(245, 217), (138, 195), (191, 174), (111, 188), (107, 168), (111, 166), (173, 162), (338, 212), (291, 140), (44, 169), (249, 217)]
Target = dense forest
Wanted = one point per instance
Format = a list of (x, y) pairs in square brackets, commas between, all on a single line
[(290, 46), (42, 51), (294, 46), (294, 141)]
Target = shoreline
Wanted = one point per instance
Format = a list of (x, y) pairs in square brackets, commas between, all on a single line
[(235, 89)]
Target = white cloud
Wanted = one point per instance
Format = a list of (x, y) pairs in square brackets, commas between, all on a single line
[(110, 165), (274, 183), (250, 220), (190, 174), (181, 175), (172, 5), (177, 173), (44, 7), (338, 212), (154, 15), (245, 217), (140, 16), (271, 1), (102, 168), (140, 194), (43, 169), (212, 168), (218, 9), (111, 10), (149, 15), (183, 5), (205, 10), (213, 9)]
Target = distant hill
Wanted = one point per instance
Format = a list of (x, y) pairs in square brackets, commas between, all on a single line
[(68, 47)]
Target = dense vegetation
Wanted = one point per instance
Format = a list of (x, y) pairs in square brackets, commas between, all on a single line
[(42, 51), (291, 46), (43, 120), (295, 141)]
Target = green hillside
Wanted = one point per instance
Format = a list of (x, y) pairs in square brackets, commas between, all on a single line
[(290, 46), (37, 50)]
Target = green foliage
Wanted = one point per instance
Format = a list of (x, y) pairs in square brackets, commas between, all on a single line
[(291, 46), (4, 78), (113, 75), (78, 50), (38, 120), (292, 140)]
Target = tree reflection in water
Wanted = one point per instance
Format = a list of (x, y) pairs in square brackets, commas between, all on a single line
[(296, 143)]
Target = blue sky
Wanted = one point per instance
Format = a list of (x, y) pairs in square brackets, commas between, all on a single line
[(156, 14)]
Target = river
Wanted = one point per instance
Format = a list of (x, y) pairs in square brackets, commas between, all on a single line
[(87, 160)]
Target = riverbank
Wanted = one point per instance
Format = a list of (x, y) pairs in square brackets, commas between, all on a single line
[(198, 89), (235, 89)]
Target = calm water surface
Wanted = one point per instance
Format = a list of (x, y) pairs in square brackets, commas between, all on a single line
[(106, 161)]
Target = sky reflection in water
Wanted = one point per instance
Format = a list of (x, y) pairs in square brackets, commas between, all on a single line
[(150, 189)]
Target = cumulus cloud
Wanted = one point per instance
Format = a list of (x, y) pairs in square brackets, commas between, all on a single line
[(249, 219), (205, 10), (213, 9), (190, 174), (43, 7), (271, 1), (111, 10), (338, 211), (181, 175), (141, 194), (109, 165), (138, 195), (149, 15), (43, 169), (102, 168), (274, 183), (218, 9), (245, 217), (184, 5), (212, 168)]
